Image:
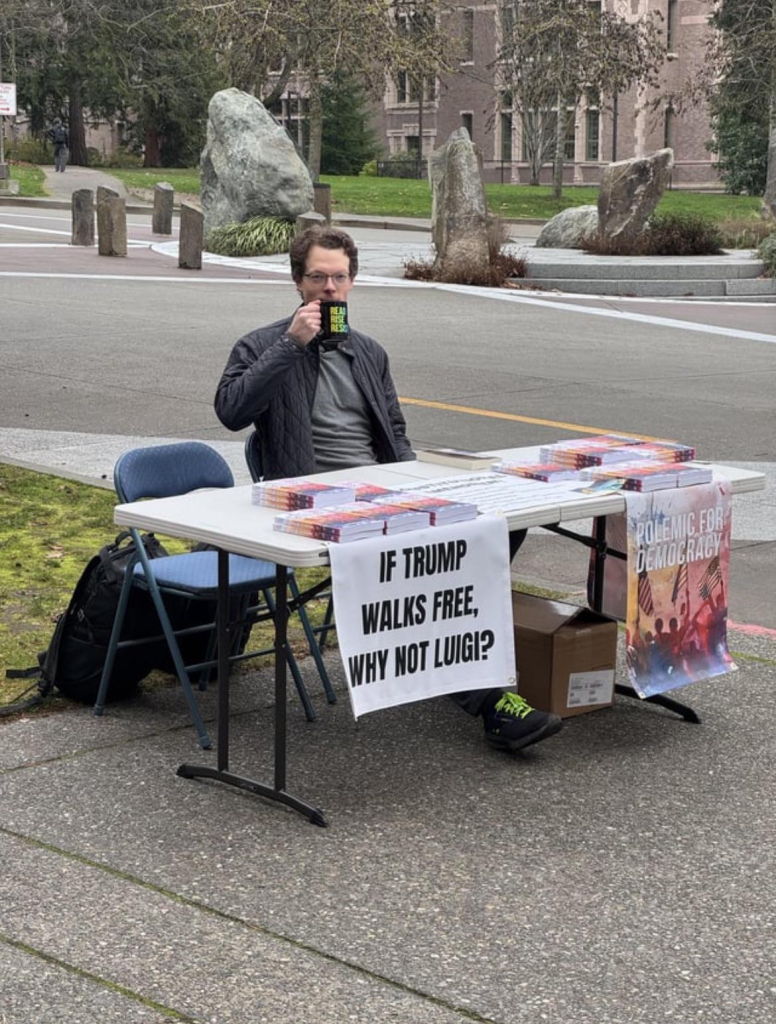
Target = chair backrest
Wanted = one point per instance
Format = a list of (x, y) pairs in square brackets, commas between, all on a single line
[(253, 456), (169, 469)]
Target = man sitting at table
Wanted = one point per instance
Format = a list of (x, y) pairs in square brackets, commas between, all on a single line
[(320, 406)]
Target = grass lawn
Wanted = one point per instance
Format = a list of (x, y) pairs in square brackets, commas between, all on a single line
[(31, 180), (398, 197), (49, 529), (183, 179)]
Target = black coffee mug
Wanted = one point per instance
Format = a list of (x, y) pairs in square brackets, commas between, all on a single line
[(334, 321)]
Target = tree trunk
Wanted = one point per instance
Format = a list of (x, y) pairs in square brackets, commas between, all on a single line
[(76, 128), (152, 149), (560, 138), (316, 129), (420, 126)]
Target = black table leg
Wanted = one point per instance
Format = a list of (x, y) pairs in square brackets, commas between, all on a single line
[(683, 710), (221, 773)]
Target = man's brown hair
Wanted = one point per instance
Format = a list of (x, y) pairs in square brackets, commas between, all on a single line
[(326, 238)]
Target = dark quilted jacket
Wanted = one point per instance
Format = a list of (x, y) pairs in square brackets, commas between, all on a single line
[(270, 381)]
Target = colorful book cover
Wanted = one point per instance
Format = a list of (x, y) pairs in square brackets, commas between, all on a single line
[(441, 510), (292, 493), (545, 472)]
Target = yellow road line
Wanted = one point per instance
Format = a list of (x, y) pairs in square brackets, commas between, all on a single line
[(491, 414)]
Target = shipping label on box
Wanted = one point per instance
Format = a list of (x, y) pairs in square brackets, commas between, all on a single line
[(586, 688)]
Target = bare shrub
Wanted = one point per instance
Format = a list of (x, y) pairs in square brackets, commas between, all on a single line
[(669, 234), (500, 268), (743, 232)]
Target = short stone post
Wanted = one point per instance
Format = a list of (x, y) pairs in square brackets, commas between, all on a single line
[(162, 218), (83, 217), (322, 199), (190, 238), (309, 220), (111, 223)]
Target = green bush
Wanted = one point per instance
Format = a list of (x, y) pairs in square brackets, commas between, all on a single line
[(369, 170), (95, 157), (31, 151), (124, 158), (683, 234), (767, 253), (666, 234), (262, 236)]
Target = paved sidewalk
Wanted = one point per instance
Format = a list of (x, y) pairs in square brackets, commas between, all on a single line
[(62, 186)]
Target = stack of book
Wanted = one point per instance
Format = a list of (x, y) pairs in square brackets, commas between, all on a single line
[(548, 472), (665, 451), (440, 510), (650, 475), (350, 522), (294, 494), (590, 451)]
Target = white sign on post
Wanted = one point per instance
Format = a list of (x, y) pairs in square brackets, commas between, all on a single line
[(7, 99), (424, 613)]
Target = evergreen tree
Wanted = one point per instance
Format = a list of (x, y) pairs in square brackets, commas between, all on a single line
[(349, 138)]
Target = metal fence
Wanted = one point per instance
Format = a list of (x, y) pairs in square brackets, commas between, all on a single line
[(405, 168)]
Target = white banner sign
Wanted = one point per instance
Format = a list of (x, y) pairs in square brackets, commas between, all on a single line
[(7, 99), (424, 613)]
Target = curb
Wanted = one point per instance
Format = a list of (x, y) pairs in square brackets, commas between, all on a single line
[(59, 204), (344, 219)]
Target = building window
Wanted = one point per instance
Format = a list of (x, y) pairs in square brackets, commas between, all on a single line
[(413, 144), (507, 22), (671, 26), (668, 129), (506, 136), (593, 134), (401, 87), (467, 37), (569, 140), (467, 122)]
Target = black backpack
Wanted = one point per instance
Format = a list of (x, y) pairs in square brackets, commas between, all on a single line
[(58, 135), (74, 660)]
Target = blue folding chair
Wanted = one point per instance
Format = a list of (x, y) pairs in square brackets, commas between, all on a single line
[(166, 471), (256, 469)]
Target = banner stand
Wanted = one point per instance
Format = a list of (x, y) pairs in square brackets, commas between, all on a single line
[(601, 551)]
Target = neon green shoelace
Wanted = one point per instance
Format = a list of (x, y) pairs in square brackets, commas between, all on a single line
[(513, 704)]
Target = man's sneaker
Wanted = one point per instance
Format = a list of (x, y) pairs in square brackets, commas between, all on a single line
[(511, 723)]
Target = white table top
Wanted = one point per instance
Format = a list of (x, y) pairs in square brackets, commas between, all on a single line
[(227, 519)]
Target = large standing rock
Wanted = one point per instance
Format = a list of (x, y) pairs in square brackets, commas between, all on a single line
[(459, 216), (568, 227), (249, 165), (630, 191)]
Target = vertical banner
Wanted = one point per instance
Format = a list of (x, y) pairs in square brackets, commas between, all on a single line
[(424, 613), (678, 556)]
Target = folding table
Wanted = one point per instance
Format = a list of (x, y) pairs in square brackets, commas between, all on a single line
[(227, 520)]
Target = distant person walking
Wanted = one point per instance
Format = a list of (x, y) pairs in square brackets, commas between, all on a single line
[(58, 135)]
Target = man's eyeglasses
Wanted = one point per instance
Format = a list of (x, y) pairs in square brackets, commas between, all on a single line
[(319, 279)]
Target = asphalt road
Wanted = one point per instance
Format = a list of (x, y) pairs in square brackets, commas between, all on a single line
[(114, 349), (621, 873)]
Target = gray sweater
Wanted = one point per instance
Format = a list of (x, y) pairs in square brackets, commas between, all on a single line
[(270, 381)]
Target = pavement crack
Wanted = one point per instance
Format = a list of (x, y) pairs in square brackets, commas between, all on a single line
[(204, 908), (112, 986)]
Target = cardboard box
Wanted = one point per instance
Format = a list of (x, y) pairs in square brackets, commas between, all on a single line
[(566, 656)]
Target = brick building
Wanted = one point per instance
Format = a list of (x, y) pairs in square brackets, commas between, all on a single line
[(472, 98)]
